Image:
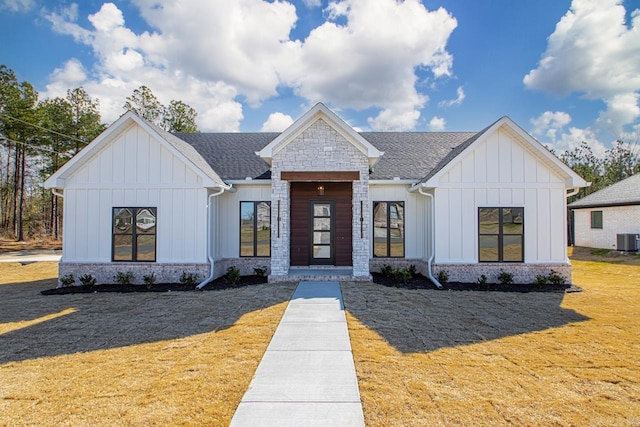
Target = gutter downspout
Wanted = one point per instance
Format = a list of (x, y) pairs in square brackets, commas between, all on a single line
[(573, 192), (433, 240), (209, 249)]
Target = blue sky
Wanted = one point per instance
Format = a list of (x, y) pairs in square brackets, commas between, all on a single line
[(565, 70)]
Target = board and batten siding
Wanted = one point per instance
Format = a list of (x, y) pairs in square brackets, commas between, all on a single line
[(500, 172), (416, 226), (135, 170)]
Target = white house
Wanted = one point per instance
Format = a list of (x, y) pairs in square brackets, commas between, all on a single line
[(318, 195), (602, 215)]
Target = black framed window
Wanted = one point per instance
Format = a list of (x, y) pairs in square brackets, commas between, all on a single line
[(255, 229), (501, 234), (134, 234), (596, 219), (388, 229)]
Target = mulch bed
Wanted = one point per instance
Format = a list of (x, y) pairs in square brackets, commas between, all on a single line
[(217, 284), (421, 282)]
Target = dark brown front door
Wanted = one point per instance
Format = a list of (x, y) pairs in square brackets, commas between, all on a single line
[(310, 242), (322, 231)]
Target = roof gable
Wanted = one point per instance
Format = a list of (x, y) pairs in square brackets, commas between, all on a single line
[(320, 112), (185, 152), (625, 192), (571, 178)]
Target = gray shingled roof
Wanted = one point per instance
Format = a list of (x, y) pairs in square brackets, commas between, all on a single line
[(408, 155), (625, 192)]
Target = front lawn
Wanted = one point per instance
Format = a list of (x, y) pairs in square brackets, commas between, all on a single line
[(111, 359), (428, 358)]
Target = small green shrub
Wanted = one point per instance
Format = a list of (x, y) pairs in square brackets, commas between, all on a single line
[(412, 270), (149, 279), (482, 282), (67, 280), (123, 278), (386, 270), (260, 271), (556, 278), (402, 275), (505, 278), (443, 277), (188, 279), (87, 280), (540, 280), (233, 275)]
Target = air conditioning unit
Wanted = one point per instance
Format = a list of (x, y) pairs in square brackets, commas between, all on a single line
[(628, 242)]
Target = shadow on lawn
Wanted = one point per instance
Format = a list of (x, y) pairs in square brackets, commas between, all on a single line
[(57, 325), (426, 320)]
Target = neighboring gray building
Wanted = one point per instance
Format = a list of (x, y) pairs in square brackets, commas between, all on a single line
[(601, 216)]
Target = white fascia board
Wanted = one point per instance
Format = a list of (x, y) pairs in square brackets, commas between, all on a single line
[(237, 182), (410, 182), (572, 179), (56, 180), (320, 111)]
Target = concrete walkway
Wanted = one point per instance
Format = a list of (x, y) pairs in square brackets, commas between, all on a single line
[(307, 376)]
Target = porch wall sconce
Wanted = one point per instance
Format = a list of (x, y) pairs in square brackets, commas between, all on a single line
[(320, 190)]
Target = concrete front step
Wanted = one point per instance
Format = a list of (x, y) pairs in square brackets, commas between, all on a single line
[(320, 273)]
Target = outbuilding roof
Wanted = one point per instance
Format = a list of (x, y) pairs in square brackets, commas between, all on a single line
[(625, 192)]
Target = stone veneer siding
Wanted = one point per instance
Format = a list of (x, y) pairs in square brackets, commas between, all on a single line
[(522, 273), (470, 273), (319, 148), (104, 272)]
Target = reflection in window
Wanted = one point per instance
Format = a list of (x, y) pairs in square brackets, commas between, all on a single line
[(134, 243), (388, 229), (596, 219), (255, 229), (501, 234)]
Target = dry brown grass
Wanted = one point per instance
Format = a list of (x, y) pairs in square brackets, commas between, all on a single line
[(180, 358), (9, 245), (428, 358)]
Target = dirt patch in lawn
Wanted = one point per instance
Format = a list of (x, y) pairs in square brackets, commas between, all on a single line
[(9, 245), (177, 358), (603, 255), (426, 357)]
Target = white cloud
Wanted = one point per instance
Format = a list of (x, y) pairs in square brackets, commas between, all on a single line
[(574, 137), (549, 123), (621, 110), (243, 49), (593, 52), (17, 5), (437, 124), (452, 102), (371, 62), (277, 122)]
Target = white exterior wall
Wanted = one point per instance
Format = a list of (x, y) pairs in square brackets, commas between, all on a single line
[(228, 227), (615, 220), (135, 170), (500, 172), (415, 220)]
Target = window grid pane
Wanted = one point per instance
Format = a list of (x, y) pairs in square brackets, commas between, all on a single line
[(134, 243), (255, 229), (388, 229), (501, 234)]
